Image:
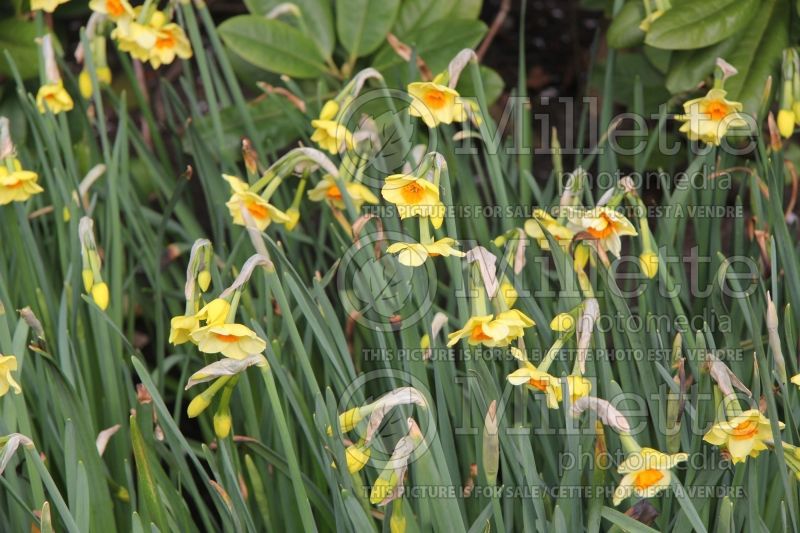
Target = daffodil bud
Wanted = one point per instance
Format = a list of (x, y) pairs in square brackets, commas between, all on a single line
[(199, 404), (294, 217), (357, 457), (329, 110), (65, 214), (222, 423), (204, 280), (562, 322), (397, 523), (648, 262), (100, 294), (103, 75), (88, 280), (350, 419), (85, 84), (786, 121)]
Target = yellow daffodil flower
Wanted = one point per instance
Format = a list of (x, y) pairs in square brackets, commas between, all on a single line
[(54, 97), (415, 254), (171, 42), (214, 312), (560, 233), (17, 185), (579, 387), (435, 103), (181, 328), (236, 341), (327, 189), (743, 435), (332, 136), (47, 6), (539, 380), (708, 118), (796, 379), (263, 212), (492, 331), (113, 9), (646, 473), (8, 364), (157, 40), (606, 226), (414, 196)]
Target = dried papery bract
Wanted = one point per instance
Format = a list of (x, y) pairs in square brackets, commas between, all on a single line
[(9, 445), (197, 265), (491, 444), (390, 484), (249, 266), (486, 262), (458, 64), (224, 367), (397, 397), (607, 413), (584, 328), (92, 277)]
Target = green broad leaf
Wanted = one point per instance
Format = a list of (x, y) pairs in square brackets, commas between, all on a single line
[(690, 67), (436, 43), (758, 54), (492, 84), (19, 38), (624, 31), (362, 25), (416, 13), (317, 17), (269, 117), (690, 25), (273, 45)]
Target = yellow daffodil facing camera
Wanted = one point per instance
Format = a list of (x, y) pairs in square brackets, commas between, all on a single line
[(8, 364), (414, 196), (605, 226), (745, 435), (47, 6), (17, 185), (492, 331), (709, 118), (435, 103), (54, 97), (646, 473)]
